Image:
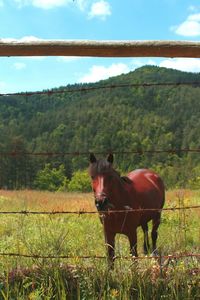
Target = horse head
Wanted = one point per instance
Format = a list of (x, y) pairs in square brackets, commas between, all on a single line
[(103, 176)]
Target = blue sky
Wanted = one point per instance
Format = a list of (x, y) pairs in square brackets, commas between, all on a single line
[(91, 20)]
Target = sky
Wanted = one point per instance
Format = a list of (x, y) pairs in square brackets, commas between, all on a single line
[(28, 20)]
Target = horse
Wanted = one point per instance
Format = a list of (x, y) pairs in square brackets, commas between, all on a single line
[(125, 203)]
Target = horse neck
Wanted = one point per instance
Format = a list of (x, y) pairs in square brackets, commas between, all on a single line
[(121, 195)]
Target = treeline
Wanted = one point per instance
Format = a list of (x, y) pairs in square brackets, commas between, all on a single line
[(103, 120)]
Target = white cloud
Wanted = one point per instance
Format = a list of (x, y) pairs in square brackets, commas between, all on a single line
[(182, 64), (30, 38), (100, 9), (23, 39), (97, 73), (50, 4), (190, 27), (45, 4), (137, 63), (19, 65), (194, 17)]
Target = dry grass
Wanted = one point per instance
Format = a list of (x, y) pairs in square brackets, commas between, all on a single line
[(76, 236), (60, 201), (46, 201)]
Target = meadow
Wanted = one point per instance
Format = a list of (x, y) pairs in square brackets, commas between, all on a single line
[(75, 235)]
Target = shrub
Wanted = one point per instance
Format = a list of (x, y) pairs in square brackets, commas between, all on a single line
[(51, 179), (194, 182), (80, 182)]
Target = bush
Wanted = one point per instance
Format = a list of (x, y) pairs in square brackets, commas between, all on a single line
[(54, 179), (80, 182), (194, 182), (51, 179)]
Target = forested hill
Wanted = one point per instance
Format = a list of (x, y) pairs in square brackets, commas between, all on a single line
[(118, 119)]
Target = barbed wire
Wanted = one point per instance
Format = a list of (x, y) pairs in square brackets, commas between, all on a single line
[(82, 212), (79, 153), (93, 88), (39, 256)]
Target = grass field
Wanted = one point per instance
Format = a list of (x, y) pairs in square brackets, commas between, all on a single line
[(82, 235)]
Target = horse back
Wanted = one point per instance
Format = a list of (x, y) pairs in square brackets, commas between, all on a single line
[(148, 188)]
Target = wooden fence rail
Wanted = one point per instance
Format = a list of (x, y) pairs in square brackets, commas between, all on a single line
[(100, 48)]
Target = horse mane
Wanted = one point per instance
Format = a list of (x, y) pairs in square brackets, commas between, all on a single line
[(102, 166), (125, 179)]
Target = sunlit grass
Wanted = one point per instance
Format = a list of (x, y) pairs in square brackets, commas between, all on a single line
[(48, 201), (71, 234), (82, 235), (45, 201)]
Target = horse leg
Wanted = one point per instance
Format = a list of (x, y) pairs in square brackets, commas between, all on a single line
[(133, 243), (146, 238), (110, 244), (154, 233)]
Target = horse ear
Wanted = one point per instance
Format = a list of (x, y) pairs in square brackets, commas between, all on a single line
[(92, 158), (110, 158)]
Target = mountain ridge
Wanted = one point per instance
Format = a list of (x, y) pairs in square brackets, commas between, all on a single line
[(113, 119)]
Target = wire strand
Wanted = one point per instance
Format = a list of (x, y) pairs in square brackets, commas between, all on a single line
[(93, 88), (82, 212), (39, 256), (86, 153)]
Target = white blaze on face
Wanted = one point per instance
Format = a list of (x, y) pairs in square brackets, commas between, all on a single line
[(100, 186)]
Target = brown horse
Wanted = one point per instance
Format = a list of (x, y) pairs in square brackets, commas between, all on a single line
[(128, 196)]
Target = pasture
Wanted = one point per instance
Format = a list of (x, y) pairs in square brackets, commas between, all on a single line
[(75, 235)]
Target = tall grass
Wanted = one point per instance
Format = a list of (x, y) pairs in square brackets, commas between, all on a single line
[(74, 235)]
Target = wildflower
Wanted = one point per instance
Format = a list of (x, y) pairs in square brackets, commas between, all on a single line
[(114, 293)]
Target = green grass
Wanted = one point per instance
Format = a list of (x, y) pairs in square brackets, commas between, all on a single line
[(82, 235)]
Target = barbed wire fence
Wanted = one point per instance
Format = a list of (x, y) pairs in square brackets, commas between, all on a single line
[(176, 256), (17, 154)]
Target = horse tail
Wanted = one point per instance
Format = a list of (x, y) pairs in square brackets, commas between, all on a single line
[(163, 199), (162, 189)]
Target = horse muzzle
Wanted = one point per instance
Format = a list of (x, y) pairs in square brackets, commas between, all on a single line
[(102, 204)]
